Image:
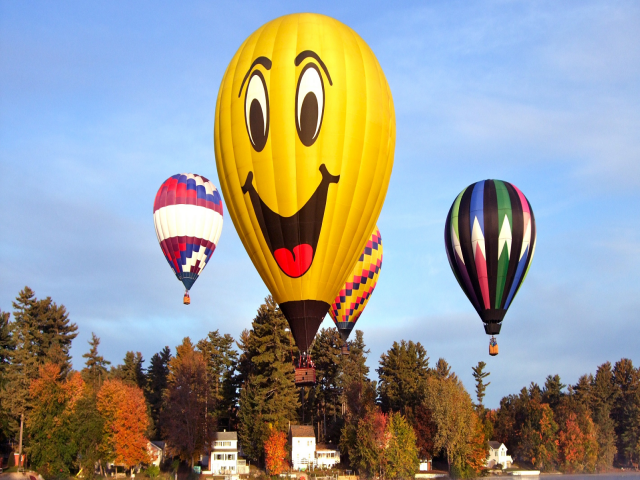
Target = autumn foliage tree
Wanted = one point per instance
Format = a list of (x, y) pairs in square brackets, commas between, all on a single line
[(123, 408), (275, 452), (188, 417)]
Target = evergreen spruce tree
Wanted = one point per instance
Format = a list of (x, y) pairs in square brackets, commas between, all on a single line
[(157, 375), (269, 396), (443, 370), (403, 374), (552, 391), (626, 411), (222, 360), (603, 395), (95, 371), (324, 397), (6, 344), (479, 375), (56, 334), (131, 371), (23, 364)]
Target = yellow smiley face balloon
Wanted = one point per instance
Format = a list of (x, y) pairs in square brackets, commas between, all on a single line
[(304, 140)]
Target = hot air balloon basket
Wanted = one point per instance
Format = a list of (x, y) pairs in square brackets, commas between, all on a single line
[(493, 347), (305, 377), (187, 299), (345, 350)]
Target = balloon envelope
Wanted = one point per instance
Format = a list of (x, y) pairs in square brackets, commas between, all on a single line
[(304, 140), (356, 292), (187, 214), (490, 238)]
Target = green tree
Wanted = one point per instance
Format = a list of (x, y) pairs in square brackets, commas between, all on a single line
[(56, 333), (626, 411), (453, 414), (87, 427), (552, 391), (401, 451), (403, 374), (367, 454), (131, 371), (602, 397), (52, 448), (442, 369), (479, 375), (95, 371), (221, 359), (268, 394), (157, 377), (358, 395), (324, 396), (6, 344)]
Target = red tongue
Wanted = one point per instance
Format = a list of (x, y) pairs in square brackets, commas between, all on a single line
[(297, 263)]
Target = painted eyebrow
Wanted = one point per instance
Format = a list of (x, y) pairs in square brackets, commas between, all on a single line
[(264, 61), (310, 53)]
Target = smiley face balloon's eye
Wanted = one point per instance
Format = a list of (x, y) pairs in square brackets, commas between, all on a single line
[(256, 111), (309, 104)]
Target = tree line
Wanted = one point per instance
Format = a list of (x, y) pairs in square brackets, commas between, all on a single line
[(74, 420)]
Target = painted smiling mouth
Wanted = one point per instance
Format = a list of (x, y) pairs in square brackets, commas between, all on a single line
[(293, 240)]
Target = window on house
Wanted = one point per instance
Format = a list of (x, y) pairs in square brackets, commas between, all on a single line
[(231, 457)]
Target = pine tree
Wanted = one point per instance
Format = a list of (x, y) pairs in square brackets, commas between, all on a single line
[(56, 333), (24, 362), (403, 374), (6, 344), (95, 371), (222, 360), (552, 391), (358, 395), (54, 398), (479, 375), (443, 370), (626, 411), (603, 395), (157, 377), (131, 371), (269, 394), (325, 395)]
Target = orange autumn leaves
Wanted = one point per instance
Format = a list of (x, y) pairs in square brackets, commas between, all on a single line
[(275, 452), (126, 422), (54, 399)]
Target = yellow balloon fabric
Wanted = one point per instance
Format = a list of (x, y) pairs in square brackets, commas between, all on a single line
[(304, 140), (356, 292)]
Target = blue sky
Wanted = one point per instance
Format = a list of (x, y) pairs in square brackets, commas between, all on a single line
[(100, 102)]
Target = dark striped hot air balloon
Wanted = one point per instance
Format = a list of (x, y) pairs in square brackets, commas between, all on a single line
[(490, 238)]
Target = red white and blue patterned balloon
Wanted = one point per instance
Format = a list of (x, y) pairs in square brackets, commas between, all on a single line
[(187, 214)]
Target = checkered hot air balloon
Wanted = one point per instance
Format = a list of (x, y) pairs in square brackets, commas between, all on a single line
[(490, 238), (187, 214), (356, 292)]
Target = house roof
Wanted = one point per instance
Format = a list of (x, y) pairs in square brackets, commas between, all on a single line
[(495, 445), (329, 447), (157, 444), (302, 431), (225, 436)]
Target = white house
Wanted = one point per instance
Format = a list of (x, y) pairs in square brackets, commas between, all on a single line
[(302, 439), (224, 453), (155, 449), (426, 465), (498, 455), (327, 455)]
